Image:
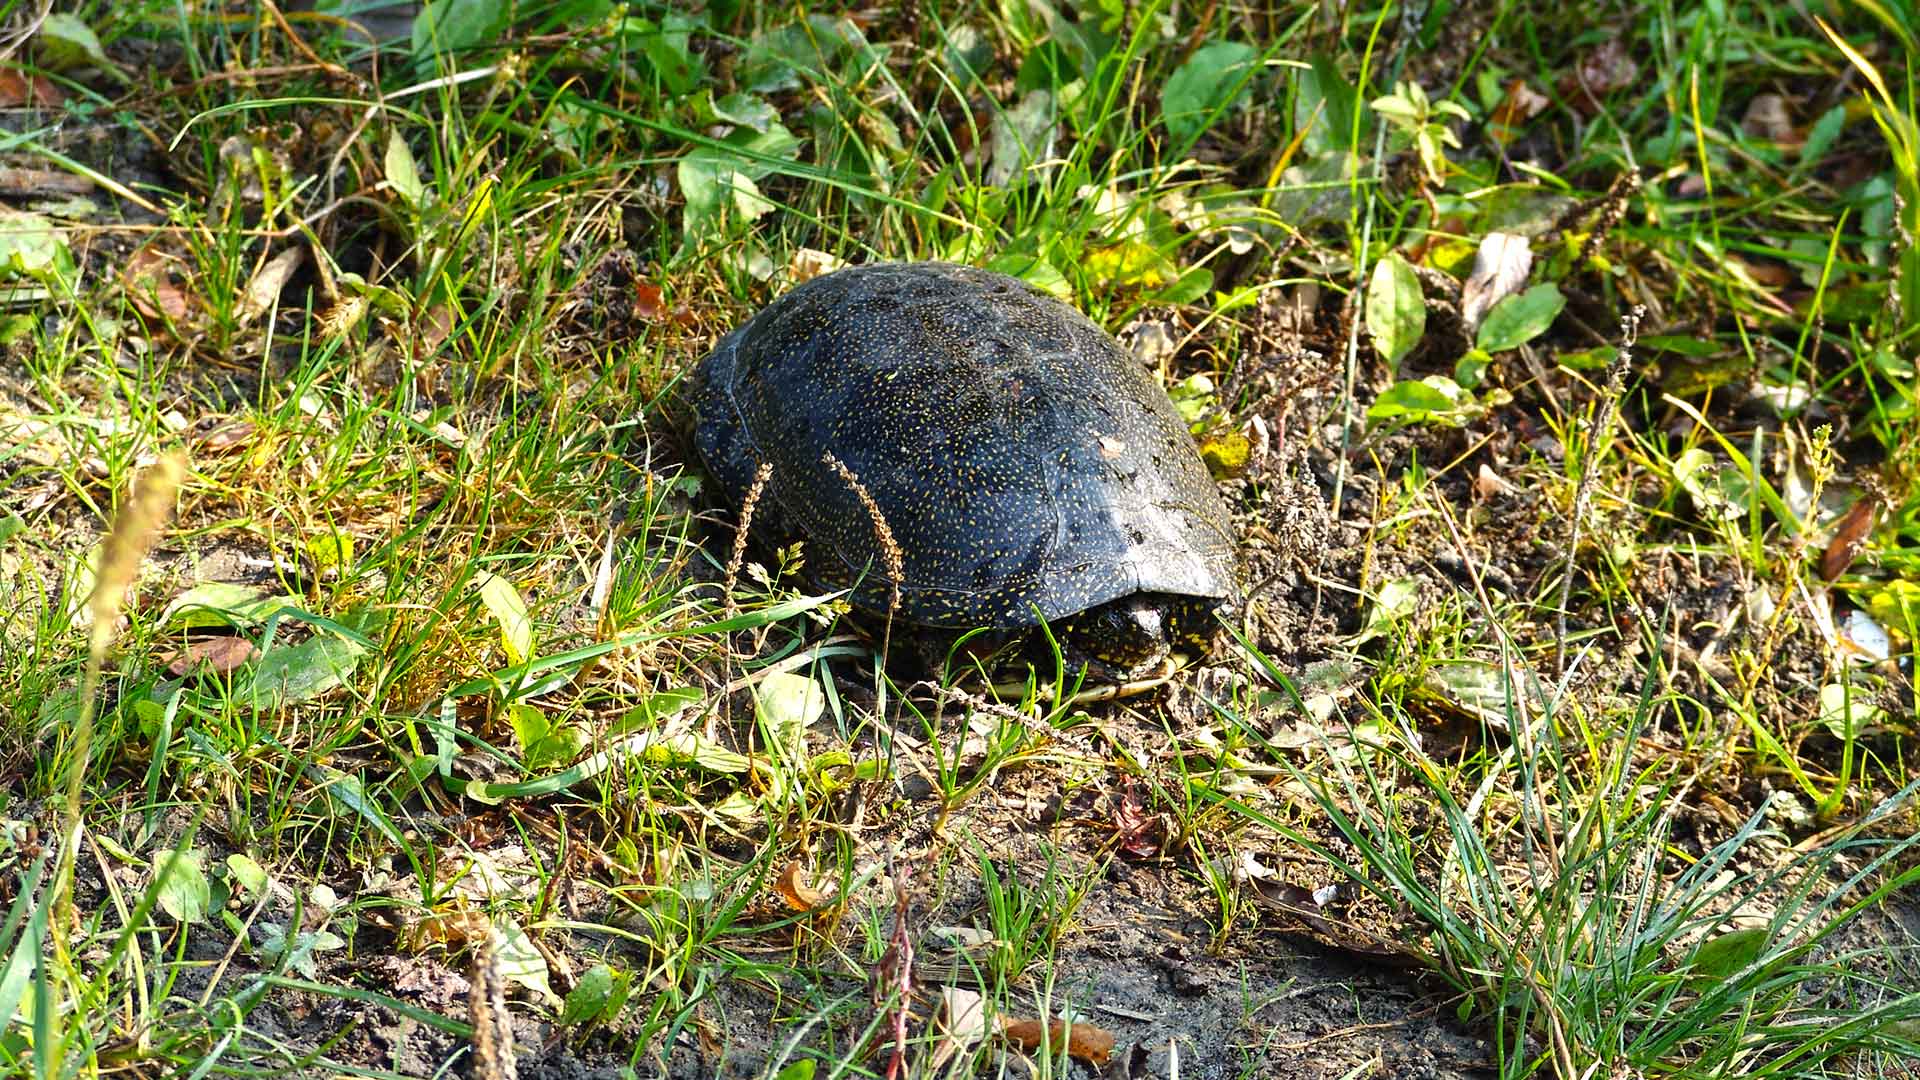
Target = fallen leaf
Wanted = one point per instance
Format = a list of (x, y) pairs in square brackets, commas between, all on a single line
[(1767, 118), (43, 182), (1487, 484), (648, 302), (231, 435), (1083, 1041), (1849, 539), (263, 291), (961, 1022), (151, 289), (1500, 269), (1599, 72), (219, 655), (808, 263), (1520, 104), (794, 889), (19, 88)]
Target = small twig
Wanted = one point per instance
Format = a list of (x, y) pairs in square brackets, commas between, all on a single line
[(893, 976), (1583, 494)]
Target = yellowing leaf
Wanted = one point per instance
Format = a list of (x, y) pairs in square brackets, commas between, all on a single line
[(510, 611)]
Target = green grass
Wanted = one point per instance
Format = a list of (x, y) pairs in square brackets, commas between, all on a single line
[(504, 709)]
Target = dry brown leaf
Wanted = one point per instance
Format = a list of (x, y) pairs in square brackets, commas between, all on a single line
[(961, 1022), (151, 289), (18, 88), (43, 182), (1600, 72), (1083, 1041), (264, 290), (808, 263), (648, 302), (1500, 269), (1767, 118), (1487, 484), (219, 655), (231, 435), (1521, 104), (796, 892), (1849, 539)]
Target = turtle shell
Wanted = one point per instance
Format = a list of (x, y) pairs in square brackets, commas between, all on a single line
[(1023, 461)]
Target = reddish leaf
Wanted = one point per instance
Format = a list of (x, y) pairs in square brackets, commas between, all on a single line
[(1599, 72), (148, 279), (228, 436), (1088, 1043), (220, 655), (794, 889), (648, 303), (18, 88), (1521, 104), (1849, 539)]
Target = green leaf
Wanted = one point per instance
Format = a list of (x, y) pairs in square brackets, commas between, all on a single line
[(1471, 368), (786, 704), (747, 111), (588, 999), (713, 181), (773, 60), (1395, 600), (10, 527), (656, 708), (668, 48), (1728, 954), (802, 1069), (402, 174), (1520, 318), (1211, 81), (1435, 397), (1821, 137), (223, 603), (1846, 711), (456, 25), (289, 674), (66, 43), (1396, 310), (1021, 136), (181, 885), (542, 742), (31, 247), (503, 601), (251, 875), (518, 960)]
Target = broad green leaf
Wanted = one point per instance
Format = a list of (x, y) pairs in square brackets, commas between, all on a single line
[(402, 174), (11, 526), (181, 885), (504, 603), (1021, 136), (346, 789), (1435, 397), (801, 1069), (1395, 600), (747, 111), (588, 999), (1471, 368), (1211, 80), (30, 246), (1727, 954), (774, 60), (519, 961), (1396, 310), (786, 703), (542, 742), (1845, 711), (456, 25), (290, 674), (1520, 318), (251, 875), (66, 43), (1193, 396), (668, 48), (222, 603), (656, 708)]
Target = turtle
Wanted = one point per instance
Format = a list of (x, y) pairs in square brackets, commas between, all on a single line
[(960, 450)]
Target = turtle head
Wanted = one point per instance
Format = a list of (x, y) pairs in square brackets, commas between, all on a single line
[(1131, 638)]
